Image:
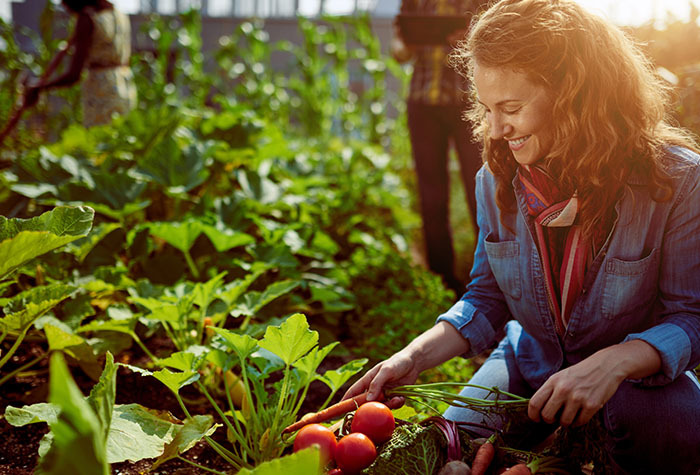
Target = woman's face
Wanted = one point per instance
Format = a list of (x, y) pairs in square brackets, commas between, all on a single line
[(517, 111)]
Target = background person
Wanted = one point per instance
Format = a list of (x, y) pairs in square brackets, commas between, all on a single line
[(589, 239), (434, 107), (101, 45)]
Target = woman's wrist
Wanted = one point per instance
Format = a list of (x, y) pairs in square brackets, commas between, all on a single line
[(435, 346), (634, 359)]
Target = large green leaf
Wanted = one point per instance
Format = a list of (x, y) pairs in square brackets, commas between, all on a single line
[(291, 340), (76, 431), (137, 433), (194, 430), (39, 412), (24, 308), (25, 239), (225, 239), (242, 345), (178, 169), (103, 395), (335, 378), (308, 364)]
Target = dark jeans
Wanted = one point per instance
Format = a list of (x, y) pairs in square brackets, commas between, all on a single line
[(432, 129)]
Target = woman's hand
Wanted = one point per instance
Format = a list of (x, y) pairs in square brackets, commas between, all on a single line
[(398, 370), (427, 350), (573, 395)]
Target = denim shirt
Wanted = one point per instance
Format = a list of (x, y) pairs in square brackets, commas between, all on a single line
[(644, 283)]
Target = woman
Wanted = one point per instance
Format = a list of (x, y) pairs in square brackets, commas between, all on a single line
[(589, 239), (102, 45)]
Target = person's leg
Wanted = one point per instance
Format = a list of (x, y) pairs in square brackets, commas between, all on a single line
[(429, 143), (469, 156), (501, 371), (655, 430)]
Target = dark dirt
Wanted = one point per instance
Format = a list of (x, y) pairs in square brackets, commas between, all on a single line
[(19, 445)]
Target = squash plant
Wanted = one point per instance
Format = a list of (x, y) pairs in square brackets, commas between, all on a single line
[(254, 427)]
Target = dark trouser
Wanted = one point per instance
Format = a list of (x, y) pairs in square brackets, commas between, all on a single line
[(432, 128)]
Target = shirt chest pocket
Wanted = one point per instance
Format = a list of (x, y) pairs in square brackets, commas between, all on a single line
[(504, 261), (629, 285)]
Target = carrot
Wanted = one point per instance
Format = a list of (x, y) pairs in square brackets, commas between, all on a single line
[(331, 412), (484, 457), (519, 469)]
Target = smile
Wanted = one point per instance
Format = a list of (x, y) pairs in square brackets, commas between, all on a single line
[(517, 144)]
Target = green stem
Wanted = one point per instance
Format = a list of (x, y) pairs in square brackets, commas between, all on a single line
[(14, 347), (201, 467), (225, 454), (218, 410), (5, 331), (22, 368), (182, 405), (239, 429), (283, 397), (143, 347), (191, 264)]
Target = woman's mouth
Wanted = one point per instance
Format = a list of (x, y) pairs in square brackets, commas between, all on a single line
[(517, 144)]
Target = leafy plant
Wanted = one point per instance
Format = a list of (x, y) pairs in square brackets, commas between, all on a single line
[(254, 427)]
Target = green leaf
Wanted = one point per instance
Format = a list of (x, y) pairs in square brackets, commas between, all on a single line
[(335, 378), (76, 431), (137, 433), (75, 346), (225, 239), (39, 412), (308, 364), (25, 239), (242, 345), (103, 395), (175, 381), (254, 301), (304, 462), (188, 360), (194, 430), (180, 235), (24, 308), (291, 340)]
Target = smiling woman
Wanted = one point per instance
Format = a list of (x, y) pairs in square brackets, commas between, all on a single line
[(589, 230)]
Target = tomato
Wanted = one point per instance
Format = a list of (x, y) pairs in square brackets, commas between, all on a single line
[(375, 420), (320, 436), (355, 452)]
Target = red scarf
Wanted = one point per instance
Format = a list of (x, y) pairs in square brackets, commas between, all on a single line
[(563, 250)]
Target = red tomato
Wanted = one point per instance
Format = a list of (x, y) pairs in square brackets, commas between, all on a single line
[(355, 452), (335, 471), (320, 436), (375, 420)]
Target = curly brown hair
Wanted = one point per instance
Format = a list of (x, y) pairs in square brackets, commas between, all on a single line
[(610, 114)]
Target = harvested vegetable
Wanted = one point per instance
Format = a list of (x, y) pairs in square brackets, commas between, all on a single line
[(355, 452), (484, 457), (519, 469), (331, 412), (375, 420), (455, 467), (319, 436)]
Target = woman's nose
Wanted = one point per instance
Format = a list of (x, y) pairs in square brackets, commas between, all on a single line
[(498, 128)]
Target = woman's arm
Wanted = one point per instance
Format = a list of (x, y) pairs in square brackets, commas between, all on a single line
[(433, 347), (80, 42)]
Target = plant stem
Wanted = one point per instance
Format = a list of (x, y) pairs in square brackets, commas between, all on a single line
[(201, 467), (226, 420), (182, 405), (225, 454), (12, 373), (14, 347), (143, 347), (191, 264)]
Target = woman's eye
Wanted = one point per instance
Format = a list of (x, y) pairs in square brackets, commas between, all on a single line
[(511, 111)]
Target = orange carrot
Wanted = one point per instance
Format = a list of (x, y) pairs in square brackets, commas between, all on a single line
[(519, 469), (483, 458), (331, 412)]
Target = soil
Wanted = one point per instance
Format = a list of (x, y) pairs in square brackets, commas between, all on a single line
[(19, 445)]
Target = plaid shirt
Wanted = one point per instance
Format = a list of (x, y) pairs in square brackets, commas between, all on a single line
[(433, 81)]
